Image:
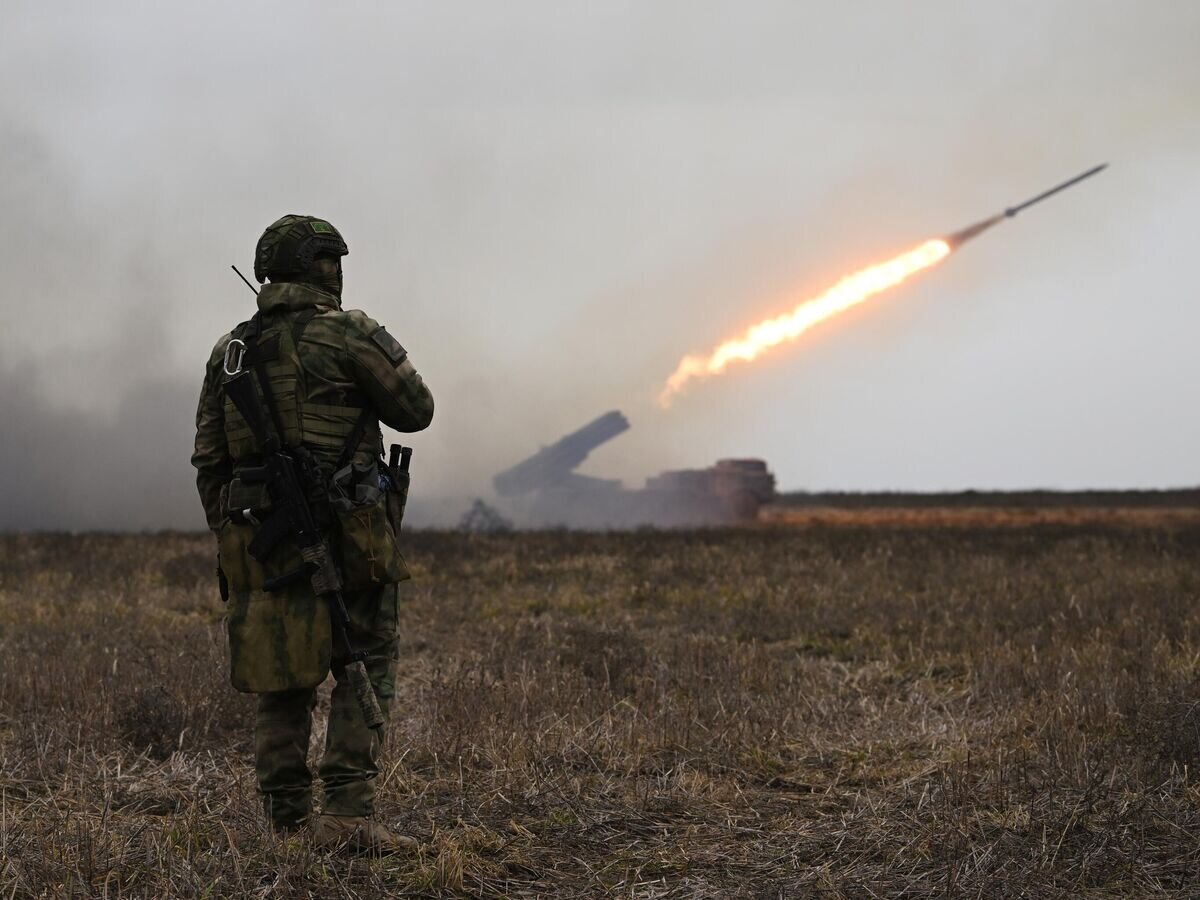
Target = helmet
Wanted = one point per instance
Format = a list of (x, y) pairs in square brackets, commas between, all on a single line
[(289, 246)]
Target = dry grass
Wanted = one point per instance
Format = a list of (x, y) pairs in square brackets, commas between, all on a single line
[(828, 711)]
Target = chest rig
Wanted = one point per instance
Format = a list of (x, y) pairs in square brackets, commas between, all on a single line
[(353, 496), (332, 431)]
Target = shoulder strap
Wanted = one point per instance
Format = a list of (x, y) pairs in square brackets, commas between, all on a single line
[(301, 322), (257, 354), (360, 429)]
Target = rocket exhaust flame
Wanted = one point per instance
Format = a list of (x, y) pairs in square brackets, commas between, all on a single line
[(850, 291), (958, 238)]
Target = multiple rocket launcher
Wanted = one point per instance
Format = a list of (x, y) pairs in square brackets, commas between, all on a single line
[(731, 490), (545, 489)]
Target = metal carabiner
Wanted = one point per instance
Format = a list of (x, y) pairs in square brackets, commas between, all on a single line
[(235, 352)]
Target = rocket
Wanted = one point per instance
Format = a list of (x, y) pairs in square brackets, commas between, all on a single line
[(960, 237), (850, 291)]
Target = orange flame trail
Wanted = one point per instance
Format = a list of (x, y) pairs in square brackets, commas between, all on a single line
[(850, 291)]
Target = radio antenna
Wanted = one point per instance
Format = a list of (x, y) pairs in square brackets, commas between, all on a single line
[(245, 279)]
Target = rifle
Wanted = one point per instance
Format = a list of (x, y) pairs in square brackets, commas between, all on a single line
[(286, 472)]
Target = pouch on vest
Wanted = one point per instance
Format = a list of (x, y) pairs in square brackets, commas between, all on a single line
[(366, 544), (243, 501)]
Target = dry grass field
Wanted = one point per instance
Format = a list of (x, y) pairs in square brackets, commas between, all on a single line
[(859, 708)]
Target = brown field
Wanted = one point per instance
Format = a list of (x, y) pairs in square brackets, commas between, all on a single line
[(978, 516), (835, 710)]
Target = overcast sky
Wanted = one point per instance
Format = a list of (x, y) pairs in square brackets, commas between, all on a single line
[(548, 204)]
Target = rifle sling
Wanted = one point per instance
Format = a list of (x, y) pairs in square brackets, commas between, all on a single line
[(240, 389), (262, 352), (268, 432)]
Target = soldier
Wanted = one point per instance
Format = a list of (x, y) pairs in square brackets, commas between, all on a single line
[(327, 376)]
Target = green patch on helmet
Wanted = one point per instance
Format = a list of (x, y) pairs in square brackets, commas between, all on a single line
[(322, 227)]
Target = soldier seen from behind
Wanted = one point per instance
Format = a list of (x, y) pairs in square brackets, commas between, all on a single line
[(290, 468)]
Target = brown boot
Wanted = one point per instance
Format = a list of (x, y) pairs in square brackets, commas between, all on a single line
[(358, 834)]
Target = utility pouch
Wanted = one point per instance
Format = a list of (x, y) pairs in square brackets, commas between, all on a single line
[(246, 502), (278, 640), (242, 571), (397, 497), (366, 549), (396, 485)]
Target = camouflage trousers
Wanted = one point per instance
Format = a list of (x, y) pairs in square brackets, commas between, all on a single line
[(349, 764)]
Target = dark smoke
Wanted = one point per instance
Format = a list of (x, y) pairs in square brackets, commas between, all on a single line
[(96, 423), (85, 470)]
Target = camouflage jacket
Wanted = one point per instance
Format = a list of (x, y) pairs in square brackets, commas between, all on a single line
[(345, 354)]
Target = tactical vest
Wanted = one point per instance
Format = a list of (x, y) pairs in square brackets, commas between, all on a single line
[(348, 498), (333, 433)]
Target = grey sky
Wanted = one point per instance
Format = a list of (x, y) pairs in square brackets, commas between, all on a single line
[(550, 203)]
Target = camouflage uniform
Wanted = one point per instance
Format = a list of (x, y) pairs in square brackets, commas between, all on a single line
[(332, 364)]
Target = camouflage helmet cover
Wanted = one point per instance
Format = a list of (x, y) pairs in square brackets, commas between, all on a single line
[(289, 246)]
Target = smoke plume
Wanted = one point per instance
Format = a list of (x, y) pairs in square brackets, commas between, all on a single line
[(547, 204)]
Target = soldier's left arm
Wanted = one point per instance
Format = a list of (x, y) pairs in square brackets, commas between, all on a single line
[(214, 466), (383, 370)]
